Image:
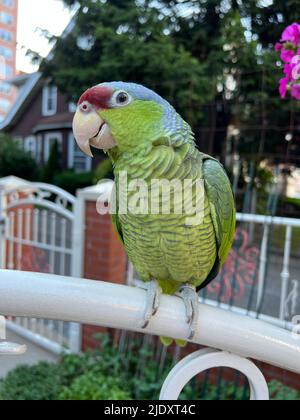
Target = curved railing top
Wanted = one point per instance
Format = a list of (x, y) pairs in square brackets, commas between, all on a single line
[(93, 302)]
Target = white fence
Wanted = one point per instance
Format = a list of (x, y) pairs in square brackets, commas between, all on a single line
[(38, 235), (287, 296), (237, 338), (41, 229), (282, 294)]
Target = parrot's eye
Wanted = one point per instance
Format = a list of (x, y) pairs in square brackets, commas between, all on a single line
[(120, 98), (85, 107)]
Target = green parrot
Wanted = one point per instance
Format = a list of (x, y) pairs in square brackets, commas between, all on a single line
[(148, 141)]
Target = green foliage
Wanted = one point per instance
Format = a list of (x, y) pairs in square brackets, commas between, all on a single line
[(110, 374), (94, 386), (214, 60), (53, 166), (72, 181), (40, 382), (104, 170), (289, 207), (280, 392), (292, 201), (15, 161)]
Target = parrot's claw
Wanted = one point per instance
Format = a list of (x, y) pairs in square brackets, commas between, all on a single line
[(153, 299), (191, 300)]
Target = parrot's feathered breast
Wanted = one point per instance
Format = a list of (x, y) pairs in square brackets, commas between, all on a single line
[(163, 246)]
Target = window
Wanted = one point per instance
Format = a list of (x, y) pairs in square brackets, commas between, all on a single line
[(49, 106), (72, 107), (76, 159), (6, 71), (6, 53), (6, 35), (8, 3), (50, 139), (5, 88), (6, 18), (30, 145), (4, 105)]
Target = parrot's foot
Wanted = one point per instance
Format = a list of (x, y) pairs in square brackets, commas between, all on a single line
[(191, 300), (153, 298)]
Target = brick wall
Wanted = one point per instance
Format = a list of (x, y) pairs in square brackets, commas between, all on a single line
[(20, 226), (104, 259)]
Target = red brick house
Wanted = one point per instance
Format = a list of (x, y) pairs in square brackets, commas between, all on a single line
[(41, 116)]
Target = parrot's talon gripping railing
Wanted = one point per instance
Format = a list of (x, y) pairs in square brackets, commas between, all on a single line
[(239, 337)]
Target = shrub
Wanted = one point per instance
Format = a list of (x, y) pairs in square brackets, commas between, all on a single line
[(71, 181), (93, 386), (280, 392), (104, 170), (15, 161), (53, 166), (40, 382), (113, 375)]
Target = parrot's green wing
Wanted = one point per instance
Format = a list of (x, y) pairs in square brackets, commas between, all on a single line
[(117, 226), (115, 217), (221, 200)]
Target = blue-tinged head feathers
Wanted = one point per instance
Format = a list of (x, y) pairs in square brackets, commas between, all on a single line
[(172, 121)]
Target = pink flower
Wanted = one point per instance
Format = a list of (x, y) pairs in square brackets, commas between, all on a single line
[(296, 91), (283, 86), (292, 70), (288, 70), (291, 34), (287, 55), (278, 47)]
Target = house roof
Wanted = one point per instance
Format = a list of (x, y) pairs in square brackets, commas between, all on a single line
[(28, 86)]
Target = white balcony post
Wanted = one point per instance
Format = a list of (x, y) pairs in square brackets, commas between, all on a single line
[(2, 219), (285, 275)]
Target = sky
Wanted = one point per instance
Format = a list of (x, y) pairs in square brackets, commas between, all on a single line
[(45, 14)]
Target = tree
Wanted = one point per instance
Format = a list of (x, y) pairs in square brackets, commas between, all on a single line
[(15, 161), (213, 59), (53, 166)]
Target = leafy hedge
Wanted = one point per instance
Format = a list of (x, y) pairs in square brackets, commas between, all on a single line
[(15, 161), (108, 374), (72, 181)]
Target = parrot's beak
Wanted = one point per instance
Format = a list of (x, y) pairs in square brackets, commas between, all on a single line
[(91, 130)]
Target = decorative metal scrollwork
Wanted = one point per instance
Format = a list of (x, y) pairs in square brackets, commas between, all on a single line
[(38, 193), (203, 360)]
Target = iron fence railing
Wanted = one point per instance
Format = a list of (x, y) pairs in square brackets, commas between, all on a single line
[(38, 235), (260, 280), (237, 337)]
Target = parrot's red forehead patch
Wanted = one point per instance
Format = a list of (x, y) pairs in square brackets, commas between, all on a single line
[(97, 96)]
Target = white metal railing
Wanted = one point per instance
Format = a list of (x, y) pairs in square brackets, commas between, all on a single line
[(288, 293), (288, 224), (38, 234), (116, 306)]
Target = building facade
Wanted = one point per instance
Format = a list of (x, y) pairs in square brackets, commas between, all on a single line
[(8, 43), (42, 116)]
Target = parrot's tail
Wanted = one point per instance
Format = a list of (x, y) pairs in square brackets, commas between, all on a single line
[(168, 341)]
